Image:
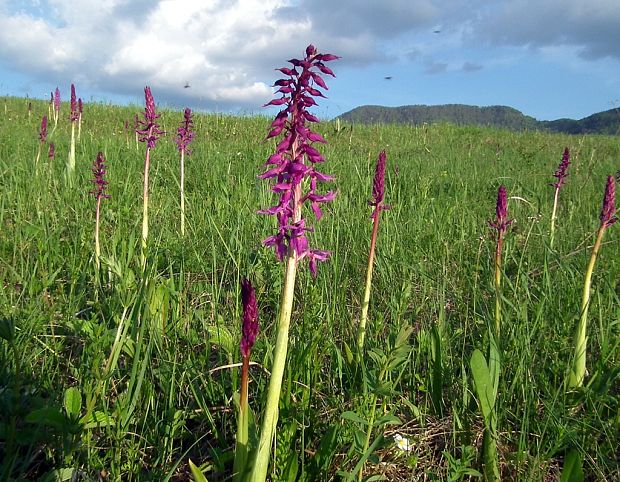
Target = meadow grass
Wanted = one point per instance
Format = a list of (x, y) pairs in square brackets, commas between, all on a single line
[(152, 355)]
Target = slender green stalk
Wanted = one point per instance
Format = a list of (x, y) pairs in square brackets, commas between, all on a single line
[(145, 208), (553, 215), (182, 192), (378, 193), (578, 366), (361, 333), (270, 416), (71, 159), (241, 449), (498, 284), (97, 246)]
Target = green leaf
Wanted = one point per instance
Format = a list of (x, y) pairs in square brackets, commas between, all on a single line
[(58, 475), (572, 471), (196, 472), (348, 353), (97, 420), (7, 329), (73, 402), (388, 419), (49, 416), (354, 417), (483, 384)]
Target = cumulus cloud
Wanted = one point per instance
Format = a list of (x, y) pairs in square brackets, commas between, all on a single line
[(591, 26), (227, 49)]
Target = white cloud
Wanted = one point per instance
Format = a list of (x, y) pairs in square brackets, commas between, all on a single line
[(227, 49)]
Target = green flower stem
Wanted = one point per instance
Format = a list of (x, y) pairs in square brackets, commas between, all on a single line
[(71, 163), (361, 333), (241, 450), (97, 246), (270, 416), (498, 285), (578, 368), (182, 192), (553, 216), (145, 209)]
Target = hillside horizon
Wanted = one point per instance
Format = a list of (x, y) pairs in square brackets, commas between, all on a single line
[(605, 122)]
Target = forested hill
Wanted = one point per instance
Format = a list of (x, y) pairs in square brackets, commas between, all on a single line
[(607, 122)]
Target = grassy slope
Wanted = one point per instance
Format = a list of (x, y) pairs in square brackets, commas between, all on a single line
[(434, 269)]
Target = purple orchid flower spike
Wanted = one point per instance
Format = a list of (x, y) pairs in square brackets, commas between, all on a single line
[(43, 130), (296, 158), (185, 133), (501, 221), (608, 212), (148, 128), (249, 328), (99, 181), (74, 115), (57, 99), (561, 172)]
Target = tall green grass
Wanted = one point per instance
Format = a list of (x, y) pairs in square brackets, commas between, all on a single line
[(153, 358)]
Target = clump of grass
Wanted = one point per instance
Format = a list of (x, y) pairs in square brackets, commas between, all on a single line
[(607, 217)]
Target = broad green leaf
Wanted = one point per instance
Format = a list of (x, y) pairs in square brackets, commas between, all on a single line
[(97, 420), (388, 419), (49, 416), (572, 471), (73, 402), (354, 417), (483, 383), (196, 472)]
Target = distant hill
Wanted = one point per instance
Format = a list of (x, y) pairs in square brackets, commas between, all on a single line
[(607, 122)]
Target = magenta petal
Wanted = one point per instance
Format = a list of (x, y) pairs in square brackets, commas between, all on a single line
[(279, 101)]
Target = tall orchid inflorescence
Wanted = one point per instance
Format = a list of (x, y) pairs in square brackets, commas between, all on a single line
[(607, 218), (149, 132), (500, 224), (249, 330), (560, 174), (294, 168), (99, 191), (184, 136), (296, 158), (80, 108), (42, 138), (56, 106), (378, 194), (73, 117)]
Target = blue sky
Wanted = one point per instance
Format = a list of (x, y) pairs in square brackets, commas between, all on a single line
[(547, 58)]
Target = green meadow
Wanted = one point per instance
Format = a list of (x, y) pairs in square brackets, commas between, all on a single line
[(120, 373)]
